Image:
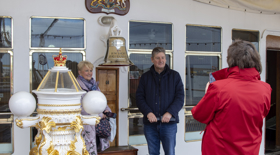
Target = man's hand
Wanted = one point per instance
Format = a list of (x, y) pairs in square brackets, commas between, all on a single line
[(166, 117), (151, 117)]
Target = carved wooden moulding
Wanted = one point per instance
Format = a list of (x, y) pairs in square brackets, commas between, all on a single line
[(120, 7)]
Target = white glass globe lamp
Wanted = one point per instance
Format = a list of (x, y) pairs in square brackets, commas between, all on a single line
[(94, 102), (22, 104)]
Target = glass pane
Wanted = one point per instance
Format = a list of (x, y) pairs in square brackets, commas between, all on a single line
[(201, 38), (42, 61), (251, 36), (6, 33), (193, 129), (197, 76), (144, 35), (5, 81), (65, 83), (54, 33), (136, 131), (142, 64), (6, 136)]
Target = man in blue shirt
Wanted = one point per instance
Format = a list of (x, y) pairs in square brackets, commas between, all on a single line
[(160, 96)]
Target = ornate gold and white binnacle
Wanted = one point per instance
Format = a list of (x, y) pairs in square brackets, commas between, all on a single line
[(59, 121)]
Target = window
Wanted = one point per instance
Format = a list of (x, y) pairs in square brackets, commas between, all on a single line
[(147, 35), (203, 56), (6, 84), (203, 39), (247, 35), (143, 37), (47, 36), (57, 33)]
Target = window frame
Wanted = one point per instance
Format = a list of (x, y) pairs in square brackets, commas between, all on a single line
[(187, 109), (247, 30), (12, 34), (47, 48), (144, 51), (6, 121), (203, 52), (149, 50), (49, 51), (11, 69), (9, 51)]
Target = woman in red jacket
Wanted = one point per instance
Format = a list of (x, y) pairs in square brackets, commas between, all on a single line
[(235, 105)]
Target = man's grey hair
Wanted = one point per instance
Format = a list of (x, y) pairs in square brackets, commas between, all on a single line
[(157, 50)]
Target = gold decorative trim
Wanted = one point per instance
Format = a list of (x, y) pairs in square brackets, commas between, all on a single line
[(29, 119), (77, 125), (97, 121), (85, 152), (38, 139), (62, 81), (63, 129), (43, 80), (47, 77), (58, 112), (19, 123), (97, 117), (34, 151), (56, 81), (51, 150), (46, 124), (41, 146), (63, 124), (76, 80), (59, 105), (73, 148)]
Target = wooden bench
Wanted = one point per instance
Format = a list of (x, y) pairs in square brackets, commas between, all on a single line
[(119, 150)]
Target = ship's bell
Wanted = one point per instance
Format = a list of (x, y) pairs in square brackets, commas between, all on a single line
[(116, 54)]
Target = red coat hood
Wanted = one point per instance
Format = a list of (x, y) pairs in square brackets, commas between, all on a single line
[(235, 72)]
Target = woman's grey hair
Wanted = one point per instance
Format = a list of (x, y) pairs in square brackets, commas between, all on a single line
[(244, 55), (157, 50), (84, 63)]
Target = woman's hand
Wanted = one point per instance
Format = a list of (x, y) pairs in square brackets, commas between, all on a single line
[(104, 116)]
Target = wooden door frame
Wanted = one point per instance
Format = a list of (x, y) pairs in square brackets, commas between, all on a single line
[(117, 108), (277, 115), (272, 44)]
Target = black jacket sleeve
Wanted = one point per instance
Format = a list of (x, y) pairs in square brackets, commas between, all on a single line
[(178, 101), (141, 98)]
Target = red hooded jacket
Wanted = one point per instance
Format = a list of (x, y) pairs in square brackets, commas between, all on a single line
[(233, 109)]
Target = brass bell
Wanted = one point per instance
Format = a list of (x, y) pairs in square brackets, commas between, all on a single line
[(116, 54)]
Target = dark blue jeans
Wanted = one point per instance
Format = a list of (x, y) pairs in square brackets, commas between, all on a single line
[(164, 132)]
